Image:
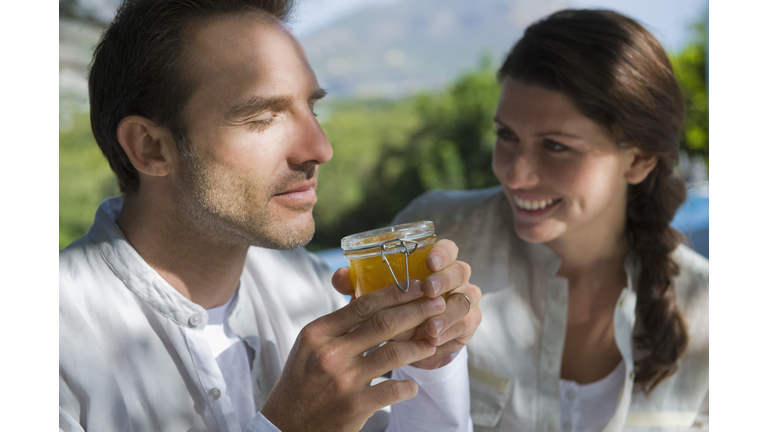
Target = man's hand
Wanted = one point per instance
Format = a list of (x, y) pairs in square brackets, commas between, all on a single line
[(325, 384), (451, 330)]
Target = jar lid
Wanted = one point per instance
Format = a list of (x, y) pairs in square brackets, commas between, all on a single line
[(375, 238)]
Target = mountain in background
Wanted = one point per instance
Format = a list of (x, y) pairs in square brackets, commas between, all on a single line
[(395, 50)]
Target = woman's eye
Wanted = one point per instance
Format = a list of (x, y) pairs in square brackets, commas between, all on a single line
[(554, 146), (504, 134)]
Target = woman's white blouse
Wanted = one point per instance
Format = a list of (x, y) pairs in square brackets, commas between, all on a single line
[(515, 355)]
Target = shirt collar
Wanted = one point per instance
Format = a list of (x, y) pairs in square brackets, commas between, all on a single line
[(135, 273), (546, 257)]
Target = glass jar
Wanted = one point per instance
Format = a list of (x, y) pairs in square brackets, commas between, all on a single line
[(384, 256)]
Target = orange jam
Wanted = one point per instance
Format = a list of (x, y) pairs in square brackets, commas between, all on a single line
[(365, 250), (370, 274)]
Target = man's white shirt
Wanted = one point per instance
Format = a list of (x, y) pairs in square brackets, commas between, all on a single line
[(135, 354)]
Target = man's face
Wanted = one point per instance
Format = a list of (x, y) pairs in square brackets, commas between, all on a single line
[(254, 139)]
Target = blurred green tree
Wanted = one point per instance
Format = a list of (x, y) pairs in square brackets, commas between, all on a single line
[(85, 180), (690, 66), (445, 141)]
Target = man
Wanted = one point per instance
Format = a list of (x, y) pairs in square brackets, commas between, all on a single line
[(189, 305)]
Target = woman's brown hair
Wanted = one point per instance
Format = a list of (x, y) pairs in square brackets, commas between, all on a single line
[(619, 76)]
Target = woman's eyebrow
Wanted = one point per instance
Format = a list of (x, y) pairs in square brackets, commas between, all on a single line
[(557, 133), (496, 120), (552, 132)]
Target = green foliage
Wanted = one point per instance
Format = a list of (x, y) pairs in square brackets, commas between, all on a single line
[(387, 154), (360, 132), (85, 179), (691, 70)]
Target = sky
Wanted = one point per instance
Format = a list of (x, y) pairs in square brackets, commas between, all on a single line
[(668, 20)]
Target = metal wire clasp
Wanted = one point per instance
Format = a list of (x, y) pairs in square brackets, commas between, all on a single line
[(404, 244)]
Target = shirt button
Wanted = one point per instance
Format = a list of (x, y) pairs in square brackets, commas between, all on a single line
[(567, 426), (621, 302), (570, 394), (214, 393), (632, 375), (195, 320)]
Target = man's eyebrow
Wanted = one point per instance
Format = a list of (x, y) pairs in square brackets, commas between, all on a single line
[(255, 105), (258, 104), (318, 94)]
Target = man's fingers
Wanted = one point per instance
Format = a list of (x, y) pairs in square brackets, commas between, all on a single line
[(449, 348), (396, 354), (361, 309), (389, 392), (450, 278), (388, 323), (442, 255), (342, 282), (411, 334)]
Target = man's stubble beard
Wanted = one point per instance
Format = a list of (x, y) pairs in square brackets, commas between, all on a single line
[(221, 203)]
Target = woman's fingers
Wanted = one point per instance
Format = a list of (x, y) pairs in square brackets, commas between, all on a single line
[(442, 254), (342, 282), (451, 277)]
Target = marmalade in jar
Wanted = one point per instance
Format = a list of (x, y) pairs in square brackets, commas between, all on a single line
[(365, 250)]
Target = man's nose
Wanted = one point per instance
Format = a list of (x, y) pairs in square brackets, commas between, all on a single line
[(311, 146)]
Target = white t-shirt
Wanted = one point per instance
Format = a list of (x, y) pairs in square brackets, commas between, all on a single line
[(234, 358), (589, 407)]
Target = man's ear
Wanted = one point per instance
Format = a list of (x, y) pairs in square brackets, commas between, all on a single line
[(146, 144), (640, 166)]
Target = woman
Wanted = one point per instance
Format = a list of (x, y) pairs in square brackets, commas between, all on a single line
[(595, 316)]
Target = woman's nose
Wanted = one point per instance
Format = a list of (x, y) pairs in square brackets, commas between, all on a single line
[(522, 173)]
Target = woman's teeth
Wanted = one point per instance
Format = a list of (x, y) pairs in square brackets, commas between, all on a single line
[(532, 205)]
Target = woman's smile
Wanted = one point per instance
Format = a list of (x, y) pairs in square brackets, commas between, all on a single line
[(534, 207)]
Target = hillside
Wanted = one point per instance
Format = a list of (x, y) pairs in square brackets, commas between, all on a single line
[(393, 50)]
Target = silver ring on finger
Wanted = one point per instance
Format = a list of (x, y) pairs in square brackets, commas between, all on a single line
[(469, 302)]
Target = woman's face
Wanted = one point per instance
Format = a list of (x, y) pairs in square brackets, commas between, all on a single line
[(562, 173)]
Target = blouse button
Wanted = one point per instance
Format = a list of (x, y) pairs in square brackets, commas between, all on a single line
[(570, 394), (567, 426), (195, 320), (214, 393)]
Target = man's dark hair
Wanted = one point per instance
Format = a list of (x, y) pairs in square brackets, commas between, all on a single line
[(139, 68)]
